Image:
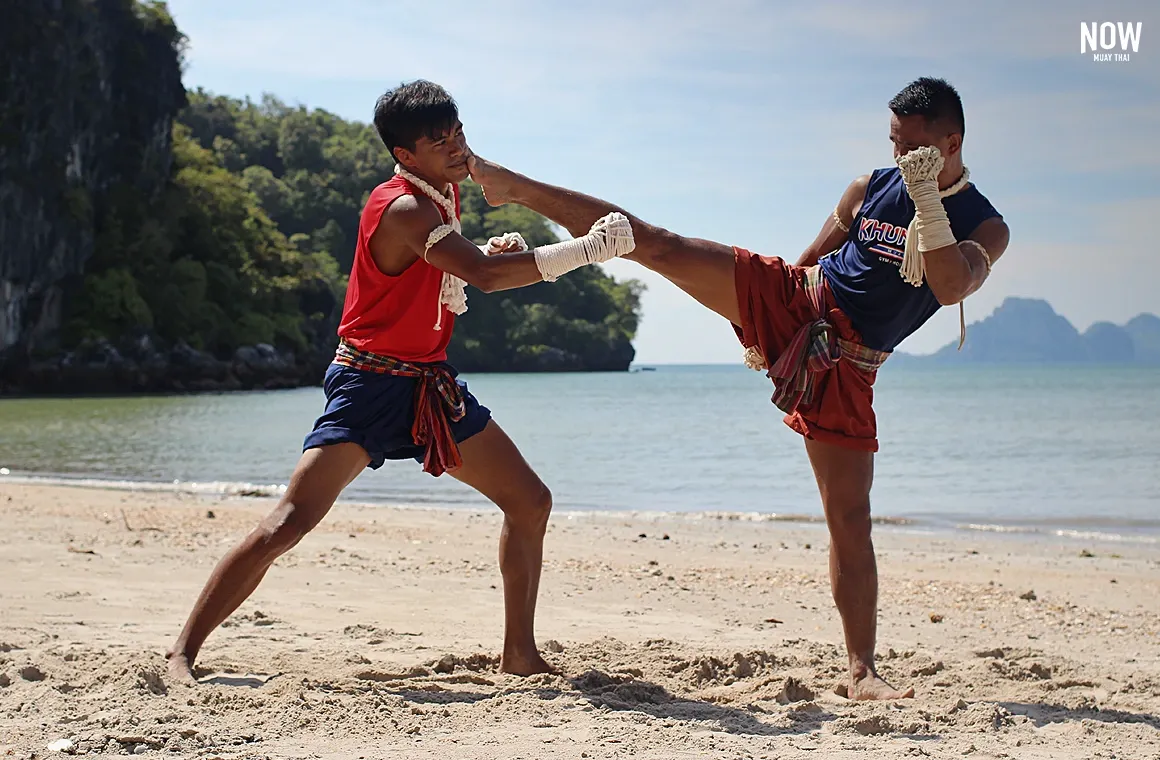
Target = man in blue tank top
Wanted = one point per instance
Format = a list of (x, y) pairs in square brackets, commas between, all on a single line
[(869, 228), (901, 243)]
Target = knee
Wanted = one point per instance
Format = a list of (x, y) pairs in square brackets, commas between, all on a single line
[(849, 523), (532, 510), (283, 529)]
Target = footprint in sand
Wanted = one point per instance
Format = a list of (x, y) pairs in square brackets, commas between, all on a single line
[(249, 680)]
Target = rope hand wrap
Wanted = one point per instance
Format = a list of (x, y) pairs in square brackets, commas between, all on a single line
[(501, 244), (609, 238), (453, 290), (930, 228)]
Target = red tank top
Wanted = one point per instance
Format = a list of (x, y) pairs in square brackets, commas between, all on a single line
[(394, 315)]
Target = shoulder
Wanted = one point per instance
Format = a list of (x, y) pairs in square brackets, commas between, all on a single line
[(860, 184), (975, 208), (412, 215), (395, 186), (855, 196), (885, 176), (994, 235), (855, 192), (879, 180), (978, 199)]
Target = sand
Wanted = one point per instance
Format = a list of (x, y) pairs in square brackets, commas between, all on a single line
[(378, 637)]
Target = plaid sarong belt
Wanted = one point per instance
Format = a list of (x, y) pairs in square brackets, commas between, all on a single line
[(815, 349), (438, 402)]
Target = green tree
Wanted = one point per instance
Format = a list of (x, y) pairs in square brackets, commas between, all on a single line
[(257, 227)]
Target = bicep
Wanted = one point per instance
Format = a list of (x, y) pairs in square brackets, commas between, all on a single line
[(455, 254), (412, 225), (836, 228), (851, 202)]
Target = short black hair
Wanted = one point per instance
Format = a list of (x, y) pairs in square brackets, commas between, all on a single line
[(933, 99), (414, 110)]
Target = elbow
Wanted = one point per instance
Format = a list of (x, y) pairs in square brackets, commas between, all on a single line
[(808, 258), (483, 277), (950, 299), (949, 294)]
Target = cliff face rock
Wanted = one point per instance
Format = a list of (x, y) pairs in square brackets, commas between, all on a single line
[(88, 93)]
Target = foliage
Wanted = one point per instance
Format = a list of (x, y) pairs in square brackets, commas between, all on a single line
[(205, 265), (312, 171), (255, 224)]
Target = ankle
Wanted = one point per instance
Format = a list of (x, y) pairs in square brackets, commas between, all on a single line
[(862, 667), (520, 645)]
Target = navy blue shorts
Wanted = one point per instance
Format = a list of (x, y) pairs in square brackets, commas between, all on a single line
[(376, 411)]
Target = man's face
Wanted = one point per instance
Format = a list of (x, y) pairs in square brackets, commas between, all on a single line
[(910, 132), (443, 158)]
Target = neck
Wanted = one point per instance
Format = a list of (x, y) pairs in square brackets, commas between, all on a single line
[(951, 173), (439, 185)]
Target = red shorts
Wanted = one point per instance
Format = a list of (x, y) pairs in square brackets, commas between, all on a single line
[(774, 306)]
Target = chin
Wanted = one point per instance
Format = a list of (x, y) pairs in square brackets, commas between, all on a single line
[(458, 175)]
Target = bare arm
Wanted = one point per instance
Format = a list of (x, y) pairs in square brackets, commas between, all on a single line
[(831, 237), (402, 237), (956, 271)]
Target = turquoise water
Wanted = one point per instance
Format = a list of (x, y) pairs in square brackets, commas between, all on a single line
[(1063, 450)]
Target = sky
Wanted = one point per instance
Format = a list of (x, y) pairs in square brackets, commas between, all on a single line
[(742, 121)]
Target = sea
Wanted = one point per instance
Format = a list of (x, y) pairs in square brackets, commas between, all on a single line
[(1050, 453)]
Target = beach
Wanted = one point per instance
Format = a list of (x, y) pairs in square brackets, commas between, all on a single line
[(676, 636)]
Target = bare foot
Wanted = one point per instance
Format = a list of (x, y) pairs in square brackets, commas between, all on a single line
[(871, 687), (495, 180), (179, 670), (520, 664)]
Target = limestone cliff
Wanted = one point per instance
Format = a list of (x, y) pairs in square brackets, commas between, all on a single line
[(88, 93)]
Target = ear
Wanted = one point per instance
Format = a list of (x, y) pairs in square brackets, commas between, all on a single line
[(403, 156), (954, 143)]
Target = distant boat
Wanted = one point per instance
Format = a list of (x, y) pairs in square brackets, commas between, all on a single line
[(644, 369)]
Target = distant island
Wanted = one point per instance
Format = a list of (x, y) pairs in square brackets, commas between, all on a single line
[(1029, 331)]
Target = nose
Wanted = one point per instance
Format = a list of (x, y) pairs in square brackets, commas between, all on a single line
[(459, 147)]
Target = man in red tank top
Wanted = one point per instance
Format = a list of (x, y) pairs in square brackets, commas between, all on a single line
[(390, 393)]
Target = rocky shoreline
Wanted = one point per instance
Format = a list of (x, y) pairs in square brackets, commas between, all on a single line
[(144, 365), (99, 367)]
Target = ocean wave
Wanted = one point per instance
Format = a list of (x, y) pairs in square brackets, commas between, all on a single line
[(208, 488), (233, 489), (1082, 535)]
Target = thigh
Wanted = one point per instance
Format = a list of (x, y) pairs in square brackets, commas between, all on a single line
[(702, 268), (844, 477), (318, 480), (494, 466)]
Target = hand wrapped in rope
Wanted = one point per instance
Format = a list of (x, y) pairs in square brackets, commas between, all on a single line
[(509, 242), (610, 237), (931, 228)]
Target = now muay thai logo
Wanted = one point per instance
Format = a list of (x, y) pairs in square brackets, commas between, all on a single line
[(1102, 40), (886, 240)]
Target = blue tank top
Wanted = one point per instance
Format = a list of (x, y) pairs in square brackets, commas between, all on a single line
[(864, 274)]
